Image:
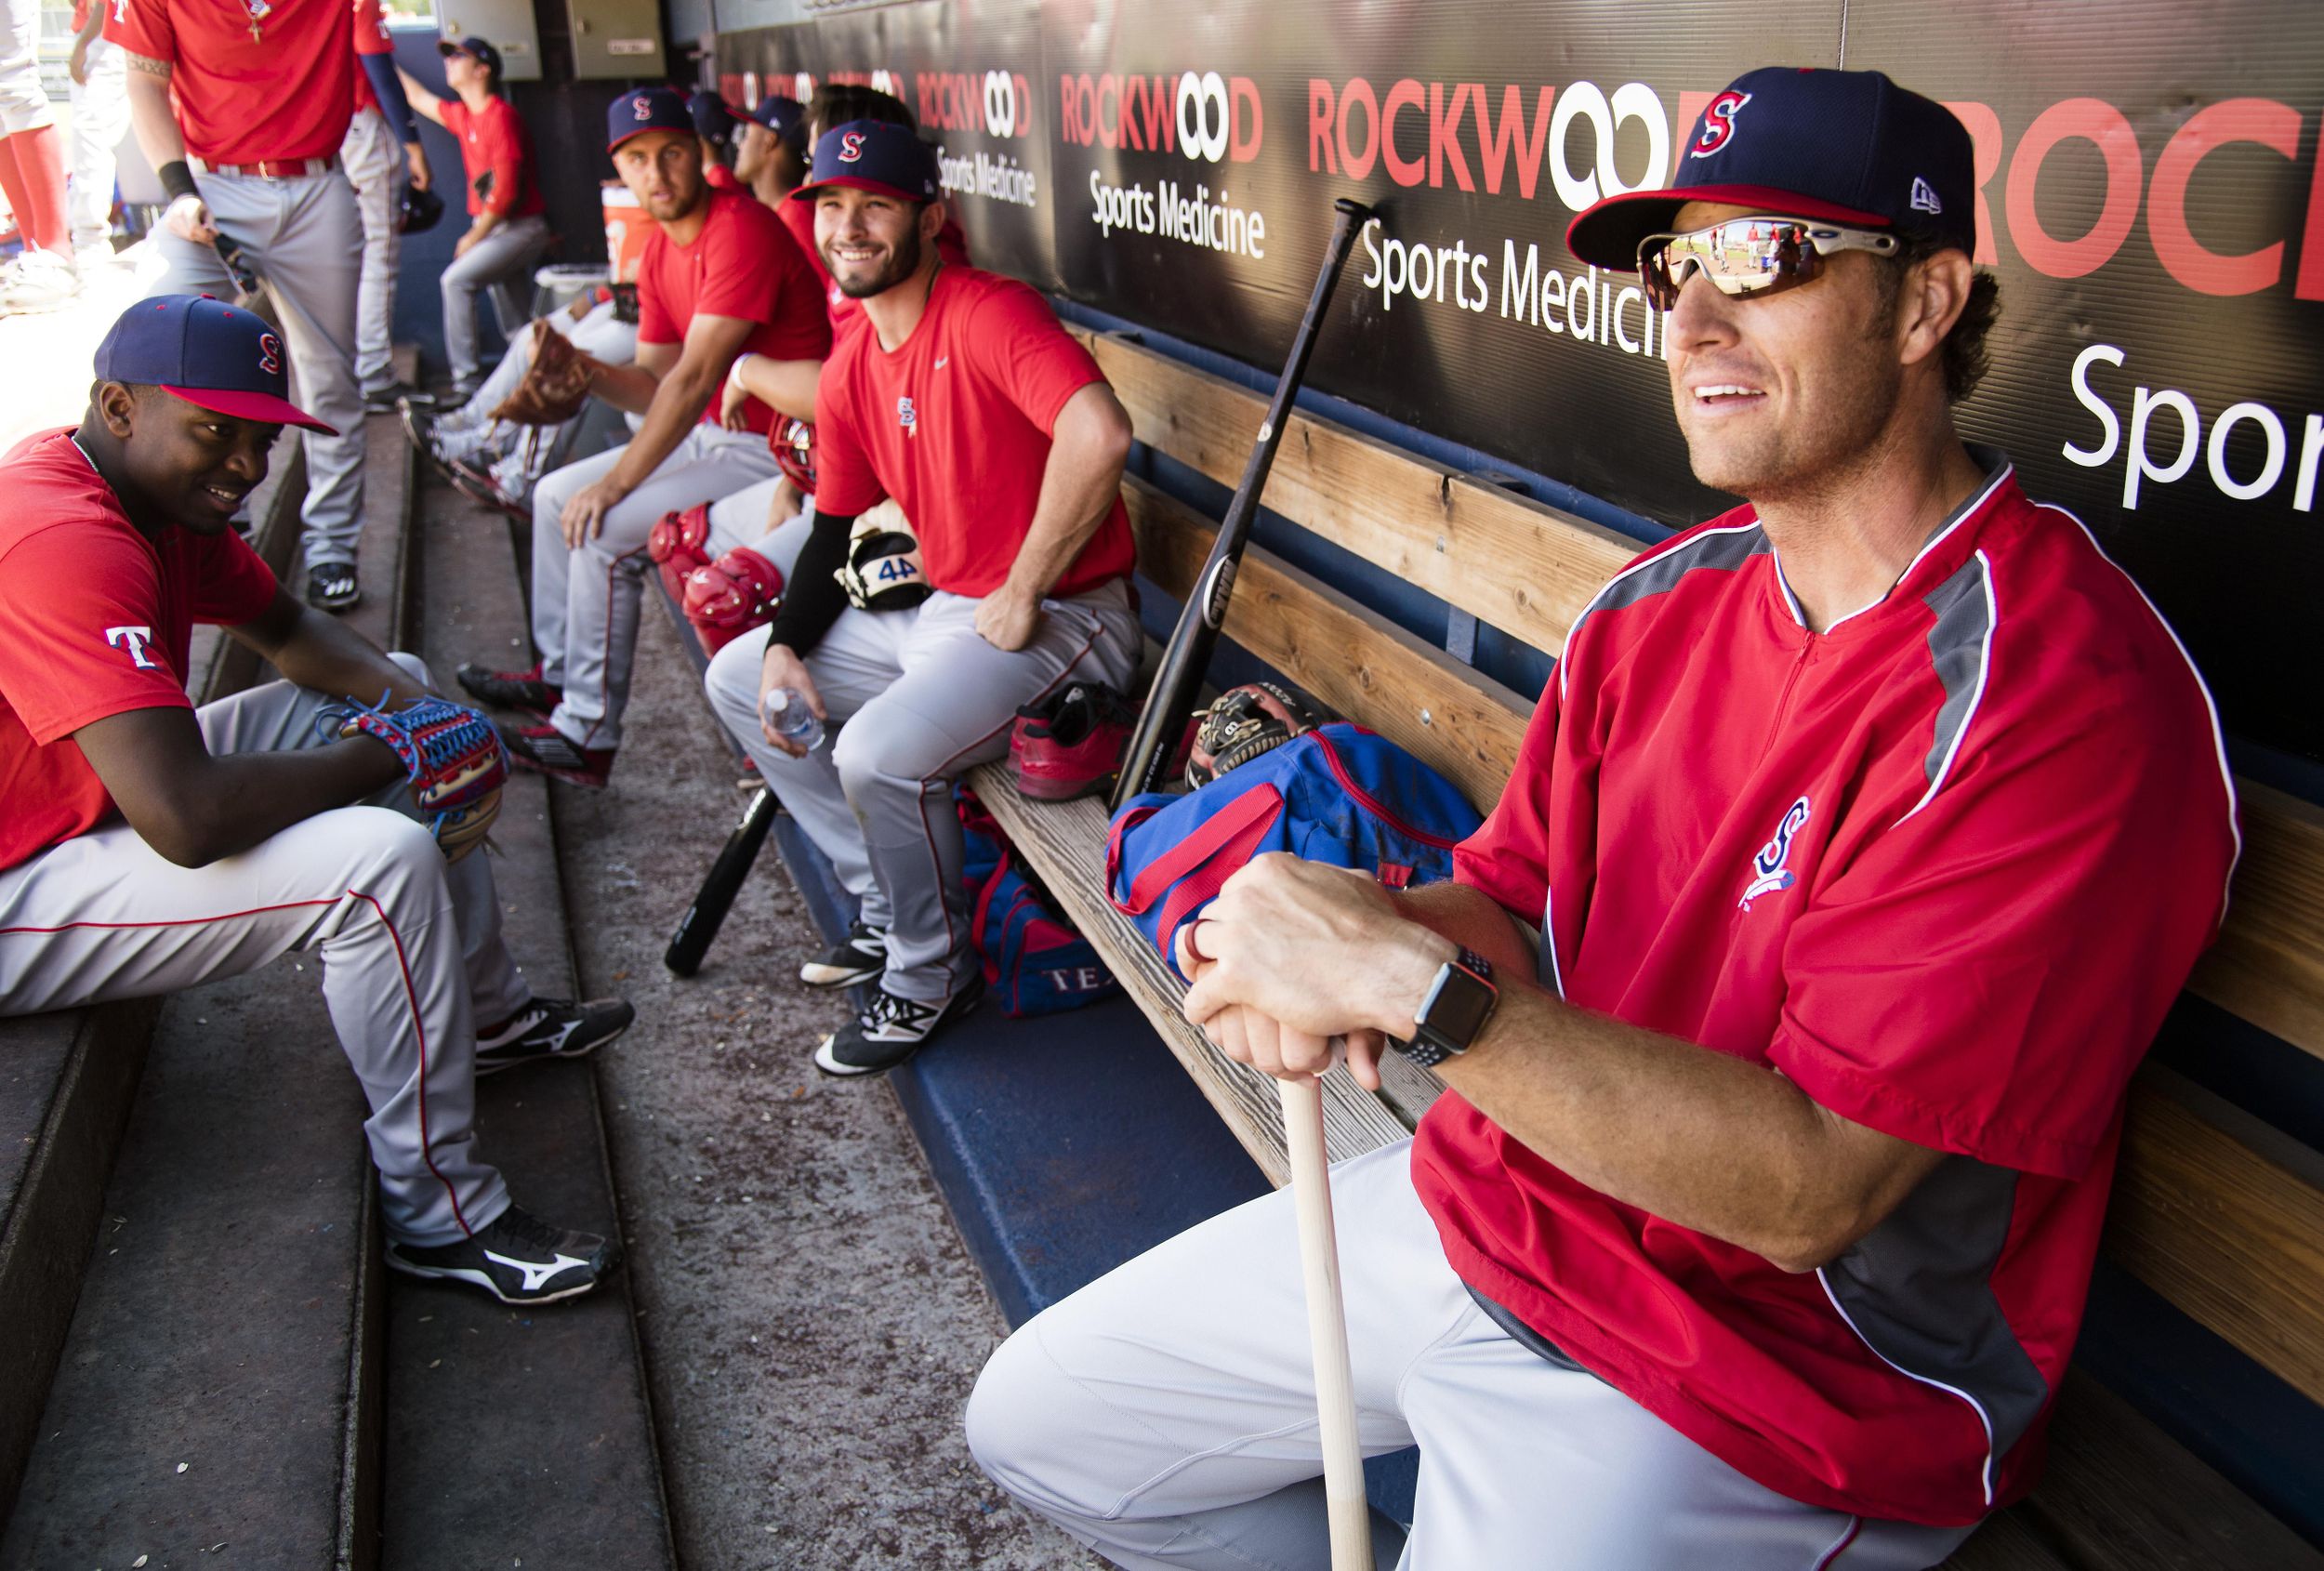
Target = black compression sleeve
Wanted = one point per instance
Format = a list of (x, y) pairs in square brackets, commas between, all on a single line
[(178, 179), (813, 599)]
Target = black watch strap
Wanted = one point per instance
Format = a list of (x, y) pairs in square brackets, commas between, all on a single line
[(1459, 1002)]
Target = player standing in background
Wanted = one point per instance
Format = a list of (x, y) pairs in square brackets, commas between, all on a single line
[(380, 151), (715, 124), (241, 109), (960, 398), (31, 170), (720, 276), (507, 233), (146, 845), (100, 118)]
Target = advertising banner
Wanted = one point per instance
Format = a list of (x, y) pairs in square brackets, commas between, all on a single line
[(2150, 198)]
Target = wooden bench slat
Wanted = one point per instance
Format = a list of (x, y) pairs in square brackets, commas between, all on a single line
[(1524, 568), (1529, 570), (2225, 1217)]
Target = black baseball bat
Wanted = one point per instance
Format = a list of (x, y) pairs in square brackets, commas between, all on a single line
[(701, 923), (238, 268), (1188, 653)]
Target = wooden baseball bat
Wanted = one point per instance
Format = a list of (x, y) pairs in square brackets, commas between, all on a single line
[(700, 924), (1326, 1326), (1188, 653)]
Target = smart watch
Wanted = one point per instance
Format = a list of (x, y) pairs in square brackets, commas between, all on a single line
[(1458, 1003)]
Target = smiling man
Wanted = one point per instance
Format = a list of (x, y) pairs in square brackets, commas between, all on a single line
[(721, 275), (147, 845), (1870, 828), (959, 398)]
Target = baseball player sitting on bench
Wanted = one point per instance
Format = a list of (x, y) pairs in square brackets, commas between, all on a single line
[(1872, 828), (963, 400), (146, 847), (720, 275)]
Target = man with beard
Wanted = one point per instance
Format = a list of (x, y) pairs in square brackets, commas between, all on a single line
[(960, 398), (1755, 1227), (720, 276), (146, 845)]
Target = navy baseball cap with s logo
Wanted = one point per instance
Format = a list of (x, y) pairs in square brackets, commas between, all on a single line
[(209, 354), (1848, 147), (873, 155), (648, 109)]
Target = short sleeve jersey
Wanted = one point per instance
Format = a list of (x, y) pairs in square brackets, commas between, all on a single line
[(497, 155), (955, 424), (1944, 866), (94, 620), (371, 38), (285, 94), (743, 264)]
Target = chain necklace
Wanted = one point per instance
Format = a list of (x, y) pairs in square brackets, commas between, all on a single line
[(259, 11)]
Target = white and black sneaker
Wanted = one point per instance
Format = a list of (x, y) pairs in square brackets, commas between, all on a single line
[(332, 585), (547, 1028), (891, 1029), (519, 1259), (860, 957)]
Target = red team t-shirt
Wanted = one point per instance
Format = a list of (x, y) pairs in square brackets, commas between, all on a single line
[(286, 94), (371, 38), (1944, 866), (955, 425), (94, 620), (743, 264), (497, 153)]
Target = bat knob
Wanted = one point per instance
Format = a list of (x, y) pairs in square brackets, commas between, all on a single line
[(1354, 209)]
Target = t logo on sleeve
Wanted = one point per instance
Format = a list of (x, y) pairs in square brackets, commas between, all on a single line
[(1719, 123), (850, 147), (133, 639), (1768, 872)]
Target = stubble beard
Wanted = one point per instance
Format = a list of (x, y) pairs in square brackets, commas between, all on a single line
[(903, 262)]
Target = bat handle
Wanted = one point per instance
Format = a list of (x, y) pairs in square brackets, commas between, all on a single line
[(1349, 1513)]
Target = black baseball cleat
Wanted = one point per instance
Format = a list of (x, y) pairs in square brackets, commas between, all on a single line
[(546, 750), (519, 1259), (547, 1028), (862, 955), (891, 1029), (332, 585), (392, 398), (522, 690)]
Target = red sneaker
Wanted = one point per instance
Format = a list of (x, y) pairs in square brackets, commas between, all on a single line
[(1072, 745), (545, 750)]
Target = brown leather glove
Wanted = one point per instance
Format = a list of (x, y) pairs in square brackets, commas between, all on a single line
[(555, 384)]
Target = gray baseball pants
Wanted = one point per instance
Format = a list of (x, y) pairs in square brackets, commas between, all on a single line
[(502, 262), (410, 948), (375, 164), (923, 699), (305, 238), (100, 119), (1165, 1415), (585, 600)]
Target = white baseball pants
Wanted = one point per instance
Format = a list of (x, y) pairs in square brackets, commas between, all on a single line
[(923, 699), (586, 600), (1165, 1415), (375, 165), (306, 240), (24, 104), (501, 262), (100, 119), (410, 948)]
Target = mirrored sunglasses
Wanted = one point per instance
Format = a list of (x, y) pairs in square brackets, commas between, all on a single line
[(1747, 256)]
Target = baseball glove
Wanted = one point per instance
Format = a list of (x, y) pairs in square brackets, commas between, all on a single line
[(556, 384), (452, 755), (1242, 723), (729, 596), (883, 571)]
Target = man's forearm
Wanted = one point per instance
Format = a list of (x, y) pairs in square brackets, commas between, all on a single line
[(1079, 487), (630, 388), (484, 223), (676, 409), (149, 114), (321, 653)]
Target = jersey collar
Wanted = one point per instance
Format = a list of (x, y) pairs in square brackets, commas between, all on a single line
[(1941, 546)]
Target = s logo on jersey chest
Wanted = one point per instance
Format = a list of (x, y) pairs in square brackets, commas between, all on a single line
[(1769, 875)]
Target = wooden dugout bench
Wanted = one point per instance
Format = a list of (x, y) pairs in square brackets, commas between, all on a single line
[(2218, 1212)]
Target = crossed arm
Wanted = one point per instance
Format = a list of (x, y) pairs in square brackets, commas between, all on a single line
[(1306, 953), (194, 807)]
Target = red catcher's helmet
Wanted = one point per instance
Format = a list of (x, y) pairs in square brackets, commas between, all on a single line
[(794, 443)]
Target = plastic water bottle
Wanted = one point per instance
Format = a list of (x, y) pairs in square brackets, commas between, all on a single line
[(788, 714)]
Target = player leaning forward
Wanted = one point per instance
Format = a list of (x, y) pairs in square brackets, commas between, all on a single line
[(147, 845), (720, 277), (1871, 828), (961, 397)]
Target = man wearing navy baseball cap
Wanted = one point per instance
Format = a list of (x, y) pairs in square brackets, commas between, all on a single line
[(771, 155), (147, 845), (1754, 1229), (720, 277)]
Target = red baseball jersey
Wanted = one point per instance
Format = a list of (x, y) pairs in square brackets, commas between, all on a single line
[(955, 425), (743, 264), (497, 153), (250, 87), (371, 38), (1944, 866), (94, 620), (718, 177)]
